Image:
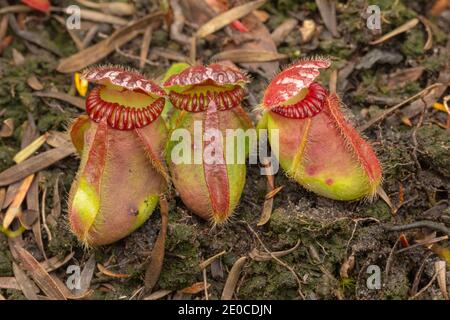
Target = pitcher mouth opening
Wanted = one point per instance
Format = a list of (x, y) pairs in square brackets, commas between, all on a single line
[(307, 103), (196, 98), (124, 109)]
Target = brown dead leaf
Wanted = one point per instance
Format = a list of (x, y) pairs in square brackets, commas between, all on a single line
[(111, 274), (208, 261), (262, 15), (283, 30), (262, 41), (15, 207), (145, 46), (28, 218), (34, 164), (2, 197), (26, 285), (9, 283), (157, 256), (327, 9), (347, 266), (403, 28), (18, 58), (232, 279), (56, 207), (40, 276), (158, 295), (440, 267), (225, 18), (268, 202), (96, 16), (57, 139), (427, 24), (34, 83), (439, 6), (33, 204), (195, 288), (56, 262), (137, 25), (94, 53), (401, 77), (75, 101), (7, 129), (115, 8)]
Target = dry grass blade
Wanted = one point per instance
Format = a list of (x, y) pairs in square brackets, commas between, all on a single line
[(145, 46), (195, 288), (232, 279), (40, 276), (26, 285), (157, 256), (34, 164), (397, 106), (440, 267), (117, 8), (96, 16), (425, 242), (14, 208), (93, 54), (31, 148), (33, 204), (138, 25), (403, 28), (158, 295), (210, 260), (427, 24), (258, 255), (55, 263), (268, 202), (274, 192), (283, 30), (75, 101), (111, 274), (15, 9), (327, 9), (383, 195), (223, 19), (245, 55)]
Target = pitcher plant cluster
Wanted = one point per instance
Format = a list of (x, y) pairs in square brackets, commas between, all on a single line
[(130, 155)]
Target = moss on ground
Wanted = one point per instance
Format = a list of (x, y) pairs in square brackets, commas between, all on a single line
[(181, 264)]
